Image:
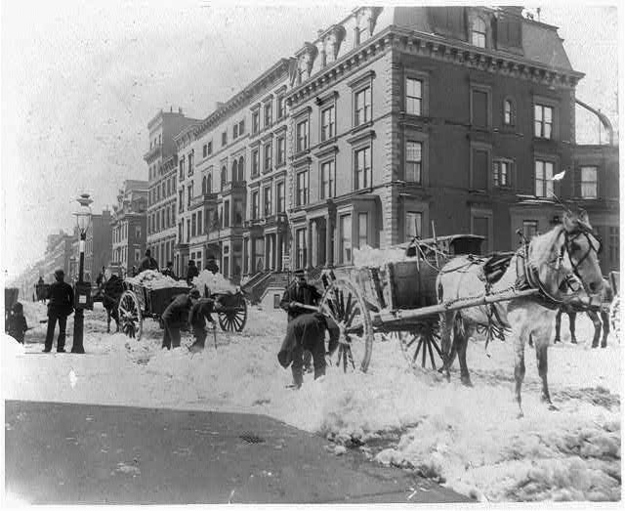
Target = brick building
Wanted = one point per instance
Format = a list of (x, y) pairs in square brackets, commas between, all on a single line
[(390, 122), (128, 225), (161, 159), (98, 245)]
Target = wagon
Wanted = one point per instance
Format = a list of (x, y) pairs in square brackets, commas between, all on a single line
[(138, 302), (11, 295), (397, 300)]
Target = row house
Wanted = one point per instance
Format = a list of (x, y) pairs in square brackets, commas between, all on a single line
[(408, 120), (98, 245), (232, 203), (393, 122), (57, 256), (128, 225), (162, 161)]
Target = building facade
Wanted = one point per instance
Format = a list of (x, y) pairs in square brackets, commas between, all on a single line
[(393, 122), (161, 159), (232, 204), (98, 245), (422, 117), (128, 225), (58, 255)]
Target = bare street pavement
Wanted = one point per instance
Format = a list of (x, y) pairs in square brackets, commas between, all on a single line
[(59, 453)]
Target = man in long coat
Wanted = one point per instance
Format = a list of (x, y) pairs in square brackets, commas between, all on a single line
[(60, 306), (307, 333), (175, 316), (299, 291)]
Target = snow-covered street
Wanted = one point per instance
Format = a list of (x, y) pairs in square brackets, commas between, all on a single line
[(468, 438)]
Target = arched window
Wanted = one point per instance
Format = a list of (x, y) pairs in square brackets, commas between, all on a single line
[(241, 170), (209, 184), (204, 191), (509, 112), (478, 34), (234, 171), (223, 177)]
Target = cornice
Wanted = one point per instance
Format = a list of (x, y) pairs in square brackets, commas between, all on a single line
[(434, 47), (244, 97)]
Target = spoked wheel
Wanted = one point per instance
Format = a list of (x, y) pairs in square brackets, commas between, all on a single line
[(615, 317), (344, 304), (233, 316), (130, 318), (421, 346)]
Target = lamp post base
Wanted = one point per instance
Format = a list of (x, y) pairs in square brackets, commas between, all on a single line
[(77, 343)]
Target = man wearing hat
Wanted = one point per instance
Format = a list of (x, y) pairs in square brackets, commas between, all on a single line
[(176, 316), (299, 291), (306, 333), (200, 312), (148, 262), (61, 305)]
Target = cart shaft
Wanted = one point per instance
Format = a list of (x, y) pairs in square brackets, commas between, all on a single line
[(400, 316)]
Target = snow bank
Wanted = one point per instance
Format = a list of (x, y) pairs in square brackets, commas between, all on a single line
[(153, 279), (368, 257), (467, 438), (216, 283)]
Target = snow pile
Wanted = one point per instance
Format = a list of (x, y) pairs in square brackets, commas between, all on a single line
[(10, 348), (368, 257), (153, 279), (216, 283), (468, 438)]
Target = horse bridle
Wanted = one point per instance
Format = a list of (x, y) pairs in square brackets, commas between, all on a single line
[(531, 272), (569, 239)]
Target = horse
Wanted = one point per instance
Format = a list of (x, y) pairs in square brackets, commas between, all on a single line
[(111, 293), (547, 263), (599, 315)]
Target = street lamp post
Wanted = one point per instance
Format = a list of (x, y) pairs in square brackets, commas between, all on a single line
[(83, 220)]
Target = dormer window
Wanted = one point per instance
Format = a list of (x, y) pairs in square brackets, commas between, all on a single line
[(478, 33)]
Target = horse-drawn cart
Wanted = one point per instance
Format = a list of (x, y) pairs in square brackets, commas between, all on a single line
[(139, 301), (397, 299)]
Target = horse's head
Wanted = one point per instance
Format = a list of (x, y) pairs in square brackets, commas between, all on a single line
[(568, 253), (581, 247)]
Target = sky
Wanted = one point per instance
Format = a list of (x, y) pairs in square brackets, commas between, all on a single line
[(470, 437), (80, 81)]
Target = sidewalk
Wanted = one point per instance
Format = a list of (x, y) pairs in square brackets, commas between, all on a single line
[(58, 453)]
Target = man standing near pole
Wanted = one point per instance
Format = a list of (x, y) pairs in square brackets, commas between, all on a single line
[(60, 306)]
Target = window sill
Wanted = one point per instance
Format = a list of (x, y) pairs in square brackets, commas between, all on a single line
[(361, 127)]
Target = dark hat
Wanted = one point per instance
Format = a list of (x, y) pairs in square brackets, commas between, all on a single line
[(194, 293)]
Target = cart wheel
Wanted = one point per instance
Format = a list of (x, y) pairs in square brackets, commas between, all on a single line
[(421, 346), (344, 304), (233, 317), (130, 319), (615, 317)]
